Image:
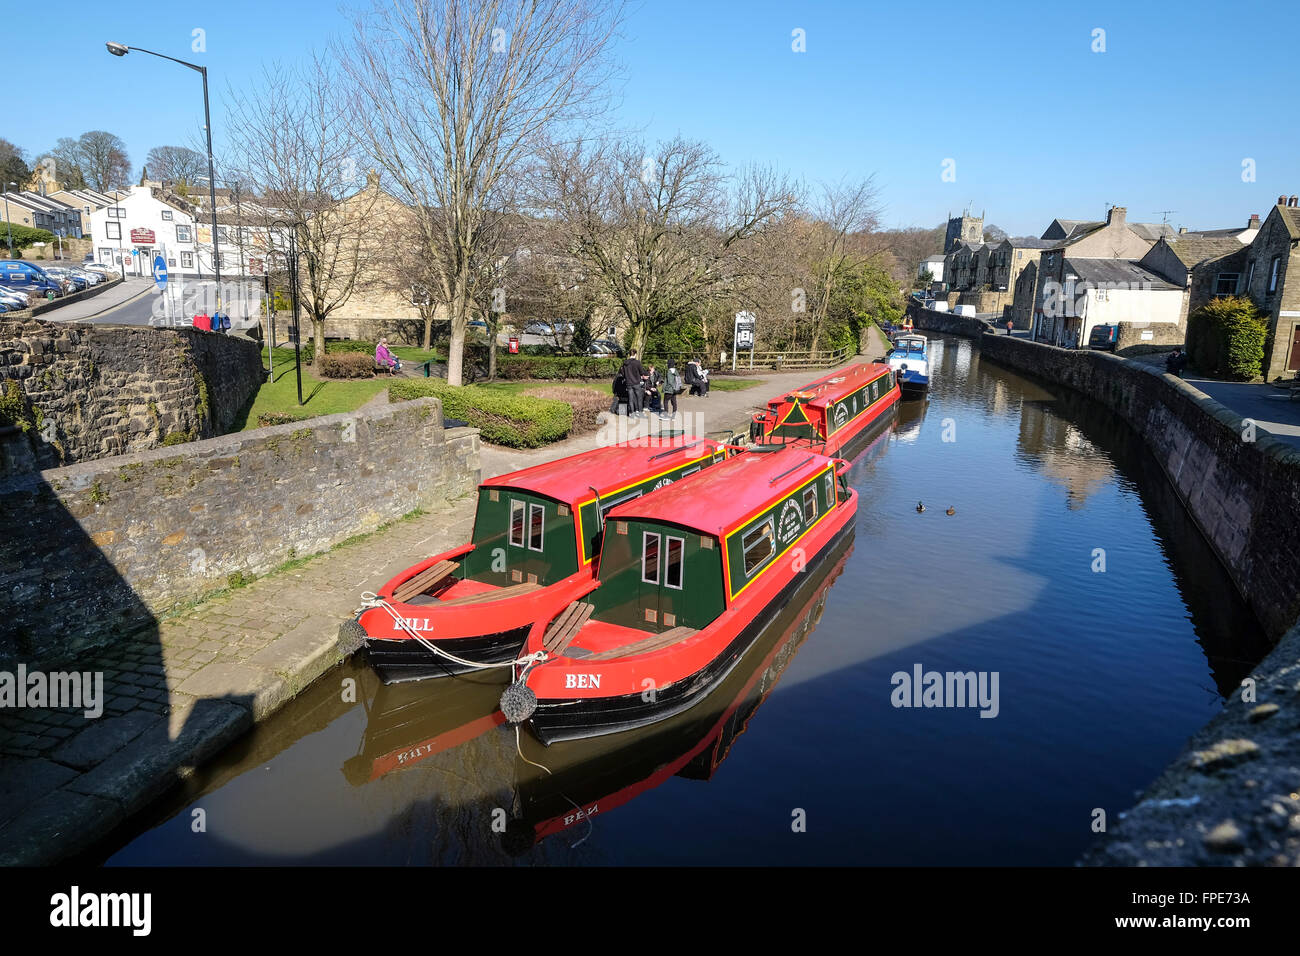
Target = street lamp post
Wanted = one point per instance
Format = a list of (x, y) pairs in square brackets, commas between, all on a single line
[(9, 224), (121, 49), (292, 266)]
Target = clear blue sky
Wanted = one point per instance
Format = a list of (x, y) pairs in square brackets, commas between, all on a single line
[(1037, 124)]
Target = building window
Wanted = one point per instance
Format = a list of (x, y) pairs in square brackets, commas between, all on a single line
[(187, 260), (167, 215), (223, 234), (1226, 283), (86, 210), (1250, 274), (757, 545), (182, 233), (113, 230), (1272, 274), (116, 212), (650, 557), (106, 255), (536, 524)]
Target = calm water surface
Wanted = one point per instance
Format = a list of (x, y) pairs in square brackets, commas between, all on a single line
[(1101, 678)]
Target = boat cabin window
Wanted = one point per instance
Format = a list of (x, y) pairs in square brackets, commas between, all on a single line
[(673, 569), (536, 521), (757, 545), (606, 506), (650, 557), (809, 505), (517, 523)]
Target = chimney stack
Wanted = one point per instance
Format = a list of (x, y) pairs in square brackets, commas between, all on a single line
[(1292, 201), (1253, 222), (1281, 200), (1182, 230), (1117, 216)]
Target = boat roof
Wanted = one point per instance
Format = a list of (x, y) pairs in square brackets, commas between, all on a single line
[(835, 385), (914, 339), (726, 495), (607, 468)]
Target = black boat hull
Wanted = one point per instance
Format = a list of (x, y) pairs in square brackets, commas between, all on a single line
[(407, 660)]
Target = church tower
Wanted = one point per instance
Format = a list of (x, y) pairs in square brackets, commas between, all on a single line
[(963, 228)]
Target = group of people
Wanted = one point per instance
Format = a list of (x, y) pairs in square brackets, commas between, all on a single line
[(1175, 362), (644, 390)]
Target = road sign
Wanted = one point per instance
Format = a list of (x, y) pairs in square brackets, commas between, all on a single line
[(743, 336), (160, 272)]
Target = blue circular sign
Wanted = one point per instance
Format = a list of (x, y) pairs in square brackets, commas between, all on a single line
[(160, 272)]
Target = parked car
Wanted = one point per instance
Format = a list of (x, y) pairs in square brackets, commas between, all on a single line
[(77, 282), (25, 275), (477, 324), (94, 278), (100, 268), (538, 328), (1103, 337), (12, 302), (610, 344), (599, 348)]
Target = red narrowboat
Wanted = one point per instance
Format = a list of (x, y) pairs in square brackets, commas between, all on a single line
[(687, 579), (831, 413), (590, 778), (537, 533)]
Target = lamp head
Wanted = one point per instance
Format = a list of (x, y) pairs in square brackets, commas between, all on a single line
[(117, 49)]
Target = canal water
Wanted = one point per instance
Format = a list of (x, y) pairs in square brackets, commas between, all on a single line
[(1068, 579)]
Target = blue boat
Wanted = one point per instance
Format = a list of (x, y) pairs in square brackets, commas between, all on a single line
[(910, 360)]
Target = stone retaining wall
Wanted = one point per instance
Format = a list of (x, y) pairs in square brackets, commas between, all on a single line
[(94, 551), (92, 391)]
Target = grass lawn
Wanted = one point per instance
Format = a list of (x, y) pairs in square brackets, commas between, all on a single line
[(723, 384), (319, 397), (514, 388)]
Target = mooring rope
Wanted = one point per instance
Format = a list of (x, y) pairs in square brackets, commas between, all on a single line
[(369, 599)]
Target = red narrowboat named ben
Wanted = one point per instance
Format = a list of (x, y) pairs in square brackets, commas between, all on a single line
[(537, 533), (686, 579), (831, 412)]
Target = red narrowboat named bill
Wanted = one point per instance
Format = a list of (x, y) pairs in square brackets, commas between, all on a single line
[(537, 533), (832, 412), (686, 580)]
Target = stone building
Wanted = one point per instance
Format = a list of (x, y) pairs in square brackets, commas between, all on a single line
[(964, 228), (1272, 280), (1202, 266)]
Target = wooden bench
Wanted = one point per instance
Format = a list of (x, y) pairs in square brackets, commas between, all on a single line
[(424, 581), (484, 597), (652, 642), (566, 627)]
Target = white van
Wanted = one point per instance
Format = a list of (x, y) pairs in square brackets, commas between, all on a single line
[(940, 305), (964, 310)]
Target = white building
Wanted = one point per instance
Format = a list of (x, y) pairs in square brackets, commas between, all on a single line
[(932, 265), (141, 225)]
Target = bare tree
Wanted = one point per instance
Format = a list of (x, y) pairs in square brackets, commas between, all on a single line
[(293, 142), (102, 159), (839, 213), (176, 165), (453, 96), (666, 233)]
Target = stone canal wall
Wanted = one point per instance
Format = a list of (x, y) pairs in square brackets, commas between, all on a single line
[(1229, 798), (80, 392), (93, 551)]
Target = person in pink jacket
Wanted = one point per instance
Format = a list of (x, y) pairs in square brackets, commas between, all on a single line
[(386, 358)]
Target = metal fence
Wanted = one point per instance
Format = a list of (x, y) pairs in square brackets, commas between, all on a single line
[(787, 360)]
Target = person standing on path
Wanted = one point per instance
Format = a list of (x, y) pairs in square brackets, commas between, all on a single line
[(633, 375), (672, 388), (1009, 326)]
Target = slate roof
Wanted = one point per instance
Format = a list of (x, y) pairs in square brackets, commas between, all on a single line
[(1193, 250), (1152, 230), (1110, 271), (1291, 219)]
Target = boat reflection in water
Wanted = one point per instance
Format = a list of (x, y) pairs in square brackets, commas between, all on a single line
[(570, 783)]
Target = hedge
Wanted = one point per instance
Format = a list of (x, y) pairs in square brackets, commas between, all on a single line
[(510, 420), (552, 368), (346, 365), (587, 404), (1225, 338)]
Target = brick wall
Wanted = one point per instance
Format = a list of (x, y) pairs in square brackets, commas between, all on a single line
[(91, 552), (96, 391)]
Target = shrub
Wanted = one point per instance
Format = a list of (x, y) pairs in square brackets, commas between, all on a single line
[(510, 420), (1225, 338), (266, 419), (350, 347), (554, 368), (586, 403), (347, 365), (177, 438)]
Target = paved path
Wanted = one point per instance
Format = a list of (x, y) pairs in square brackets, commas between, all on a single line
[(1271, 408), (177, 695), (98, 307)]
